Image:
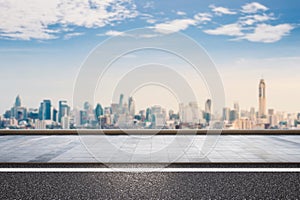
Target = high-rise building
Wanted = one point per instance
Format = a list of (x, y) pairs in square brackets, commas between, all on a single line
[(243, 123), (114, 108), (63, 109), (208, 106), (33, 113), (226, 114), (262, 112), (18, 101), (54, 115), (98, 111), (272, 117), (21, 113), (181, 112), (87, 106), (207, 113), (156, 109), (236, 107), (65, 122), (16, 106), (252, 113), (121, 103), (47, 110), (189, 113), (131, 106), (41, 111), (148, 114), (233, 116), (83, 117), (125, 109)]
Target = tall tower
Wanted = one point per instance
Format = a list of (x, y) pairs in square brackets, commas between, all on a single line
[(236, 107), (207, 114), (120, 110), (131, 106), (63, 108), (46, 110), (18, 101), (262, 99), (121, 100), (208, 106)]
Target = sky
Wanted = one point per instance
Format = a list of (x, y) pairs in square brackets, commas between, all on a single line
[(43, 45)]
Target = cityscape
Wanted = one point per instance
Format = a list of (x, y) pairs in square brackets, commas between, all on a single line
[(123, 115), (144, 99)]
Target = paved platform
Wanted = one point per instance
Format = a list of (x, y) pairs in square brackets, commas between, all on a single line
[(150, 149)]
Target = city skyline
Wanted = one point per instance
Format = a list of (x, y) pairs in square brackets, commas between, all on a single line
[(260, 105), (43, 49), (149, 99), (123, 114), (262, 93)]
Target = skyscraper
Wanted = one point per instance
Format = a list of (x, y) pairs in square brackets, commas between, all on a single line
[(98, 111), (120, 106), (63, 109), (18, 101), (45, 110), (131, 106), (236, 107), (121, 100), (226, 114), (83, 117), (208, 106), (207, 113), (54, 115), (87, 106), (262, 112), (41, 111), (16, 106)]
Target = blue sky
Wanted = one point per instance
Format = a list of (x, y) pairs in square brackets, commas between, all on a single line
[(44, 43)]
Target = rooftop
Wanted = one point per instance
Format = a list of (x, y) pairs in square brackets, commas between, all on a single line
[(150, 149)]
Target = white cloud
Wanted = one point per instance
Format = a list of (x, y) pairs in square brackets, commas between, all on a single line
[(251, 19), (252, 25), (202, 17), (114, 33), (174, 26), (125, 34), (146, 35), (221, 10), (35, 19), (181, 24), (228, 29), (261, 33), (180, 13), (267, 33), (71, 35), (147, 17), (253, 7)]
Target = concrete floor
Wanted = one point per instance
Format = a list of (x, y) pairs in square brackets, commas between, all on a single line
[(150, 149)]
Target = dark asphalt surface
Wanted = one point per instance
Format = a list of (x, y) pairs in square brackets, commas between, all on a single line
[(150, 165), (154, 185)]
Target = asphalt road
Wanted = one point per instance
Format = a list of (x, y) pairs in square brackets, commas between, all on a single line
[(149, 185)]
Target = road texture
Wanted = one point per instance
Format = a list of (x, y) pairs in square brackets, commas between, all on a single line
[(149, 185)]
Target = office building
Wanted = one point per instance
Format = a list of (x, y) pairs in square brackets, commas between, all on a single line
[(63, 109), (262, 112)]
